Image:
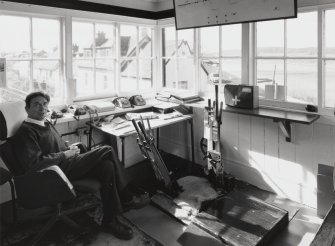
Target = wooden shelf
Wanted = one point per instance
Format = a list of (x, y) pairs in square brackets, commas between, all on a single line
[(282, 117), (276, 114)]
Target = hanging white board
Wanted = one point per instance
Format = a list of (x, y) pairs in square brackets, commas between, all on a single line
[(200, 13)]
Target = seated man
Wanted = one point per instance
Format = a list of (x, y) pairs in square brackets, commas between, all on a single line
[(38, 145)]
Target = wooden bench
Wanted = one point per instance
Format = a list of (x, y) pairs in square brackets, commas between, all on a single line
[(326, 233)]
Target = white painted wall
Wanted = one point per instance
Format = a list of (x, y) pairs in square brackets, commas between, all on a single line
[(255, 151)]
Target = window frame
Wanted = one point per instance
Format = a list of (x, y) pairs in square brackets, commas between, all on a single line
[(94, 58), (320, 58), (222, 57), (60, 59), (137, 58), (166, 24)]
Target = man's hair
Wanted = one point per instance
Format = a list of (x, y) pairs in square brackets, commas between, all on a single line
[(32, 95)]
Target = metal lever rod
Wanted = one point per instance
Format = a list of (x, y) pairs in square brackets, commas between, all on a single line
[(151, 134), (144, 132)]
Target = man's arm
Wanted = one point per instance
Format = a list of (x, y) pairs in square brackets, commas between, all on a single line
[(30, 155)]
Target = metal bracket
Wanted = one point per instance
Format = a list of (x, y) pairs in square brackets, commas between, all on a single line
[(286, 128)]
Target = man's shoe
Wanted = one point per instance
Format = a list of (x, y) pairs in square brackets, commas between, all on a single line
[(118, 229), (138, 201)]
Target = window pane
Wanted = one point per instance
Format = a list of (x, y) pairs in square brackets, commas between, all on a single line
[(231, 70), (302, 81), (185, 42), (169, 41), (209, 42), (145, 42), (302, 35), (128, 76), (104, 75), (104, 40), (270, 79), (46, 77), (270, 38), (145, 73), (82, 39), (15, 37), (208, 67), (185, 74), (128, 40), (329, 33), (83, 71), (330, 84), (231, 40), (169, 73), (46, 38), (18, 75)]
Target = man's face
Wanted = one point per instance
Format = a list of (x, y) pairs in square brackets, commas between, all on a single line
[(38, 108)]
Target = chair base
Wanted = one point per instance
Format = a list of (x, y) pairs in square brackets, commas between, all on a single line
[(60, 216)]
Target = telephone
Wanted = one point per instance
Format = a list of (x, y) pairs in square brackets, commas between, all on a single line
[(90, 108), (137, 100), (79, 111), (99, 106), (121, 102), (56, 114)]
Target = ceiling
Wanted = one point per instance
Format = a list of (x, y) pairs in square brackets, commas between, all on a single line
[(151, 5)]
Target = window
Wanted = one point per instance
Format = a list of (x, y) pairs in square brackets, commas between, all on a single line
[(136, 58), (220, 55), (178, 59), (94, 57), (287, 59), (98, 60), (31, 54), (329, 59)]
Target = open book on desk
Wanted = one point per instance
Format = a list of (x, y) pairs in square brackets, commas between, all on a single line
[(100, 106), (127, 128), (170, 115)]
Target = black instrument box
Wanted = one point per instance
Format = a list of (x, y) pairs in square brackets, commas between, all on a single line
[(241, 96)]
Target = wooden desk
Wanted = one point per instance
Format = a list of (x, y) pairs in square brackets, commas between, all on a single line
[(130, 130)]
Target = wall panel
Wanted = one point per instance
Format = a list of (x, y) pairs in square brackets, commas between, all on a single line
[(255, 150)]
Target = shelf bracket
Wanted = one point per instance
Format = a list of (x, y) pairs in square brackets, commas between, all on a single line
[(286, 128)]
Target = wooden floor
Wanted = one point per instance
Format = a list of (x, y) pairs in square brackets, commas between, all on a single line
[(300, 231), (302, 227)]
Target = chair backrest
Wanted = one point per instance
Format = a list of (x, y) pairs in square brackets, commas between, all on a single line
[(12, 114), (9, 158)]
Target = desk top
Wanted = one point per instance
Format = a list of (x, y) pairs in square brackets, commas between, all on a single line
[(129, 129), (117, 111)]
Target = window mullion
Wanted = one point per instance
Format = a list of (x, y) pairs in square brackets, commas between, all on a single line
[(94, 61), (31, 54), (285, 59), (321, 61), (137, 58), (196, 37), (220, 55), (176, 59), (116, 58)]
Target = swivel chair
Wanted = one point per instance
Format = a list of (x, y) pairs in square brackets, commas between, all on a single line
[(45, 188)]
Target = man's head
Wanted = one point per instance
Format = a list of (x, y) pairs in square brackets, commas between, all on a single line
[(37, 105)]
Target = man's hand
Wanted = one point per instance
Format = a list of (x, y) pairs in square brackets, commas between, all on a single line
[(73, 151)]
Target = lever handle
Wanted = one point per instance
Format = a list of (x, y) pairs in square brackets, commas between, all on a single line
[(137, 130), (143, 131)]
